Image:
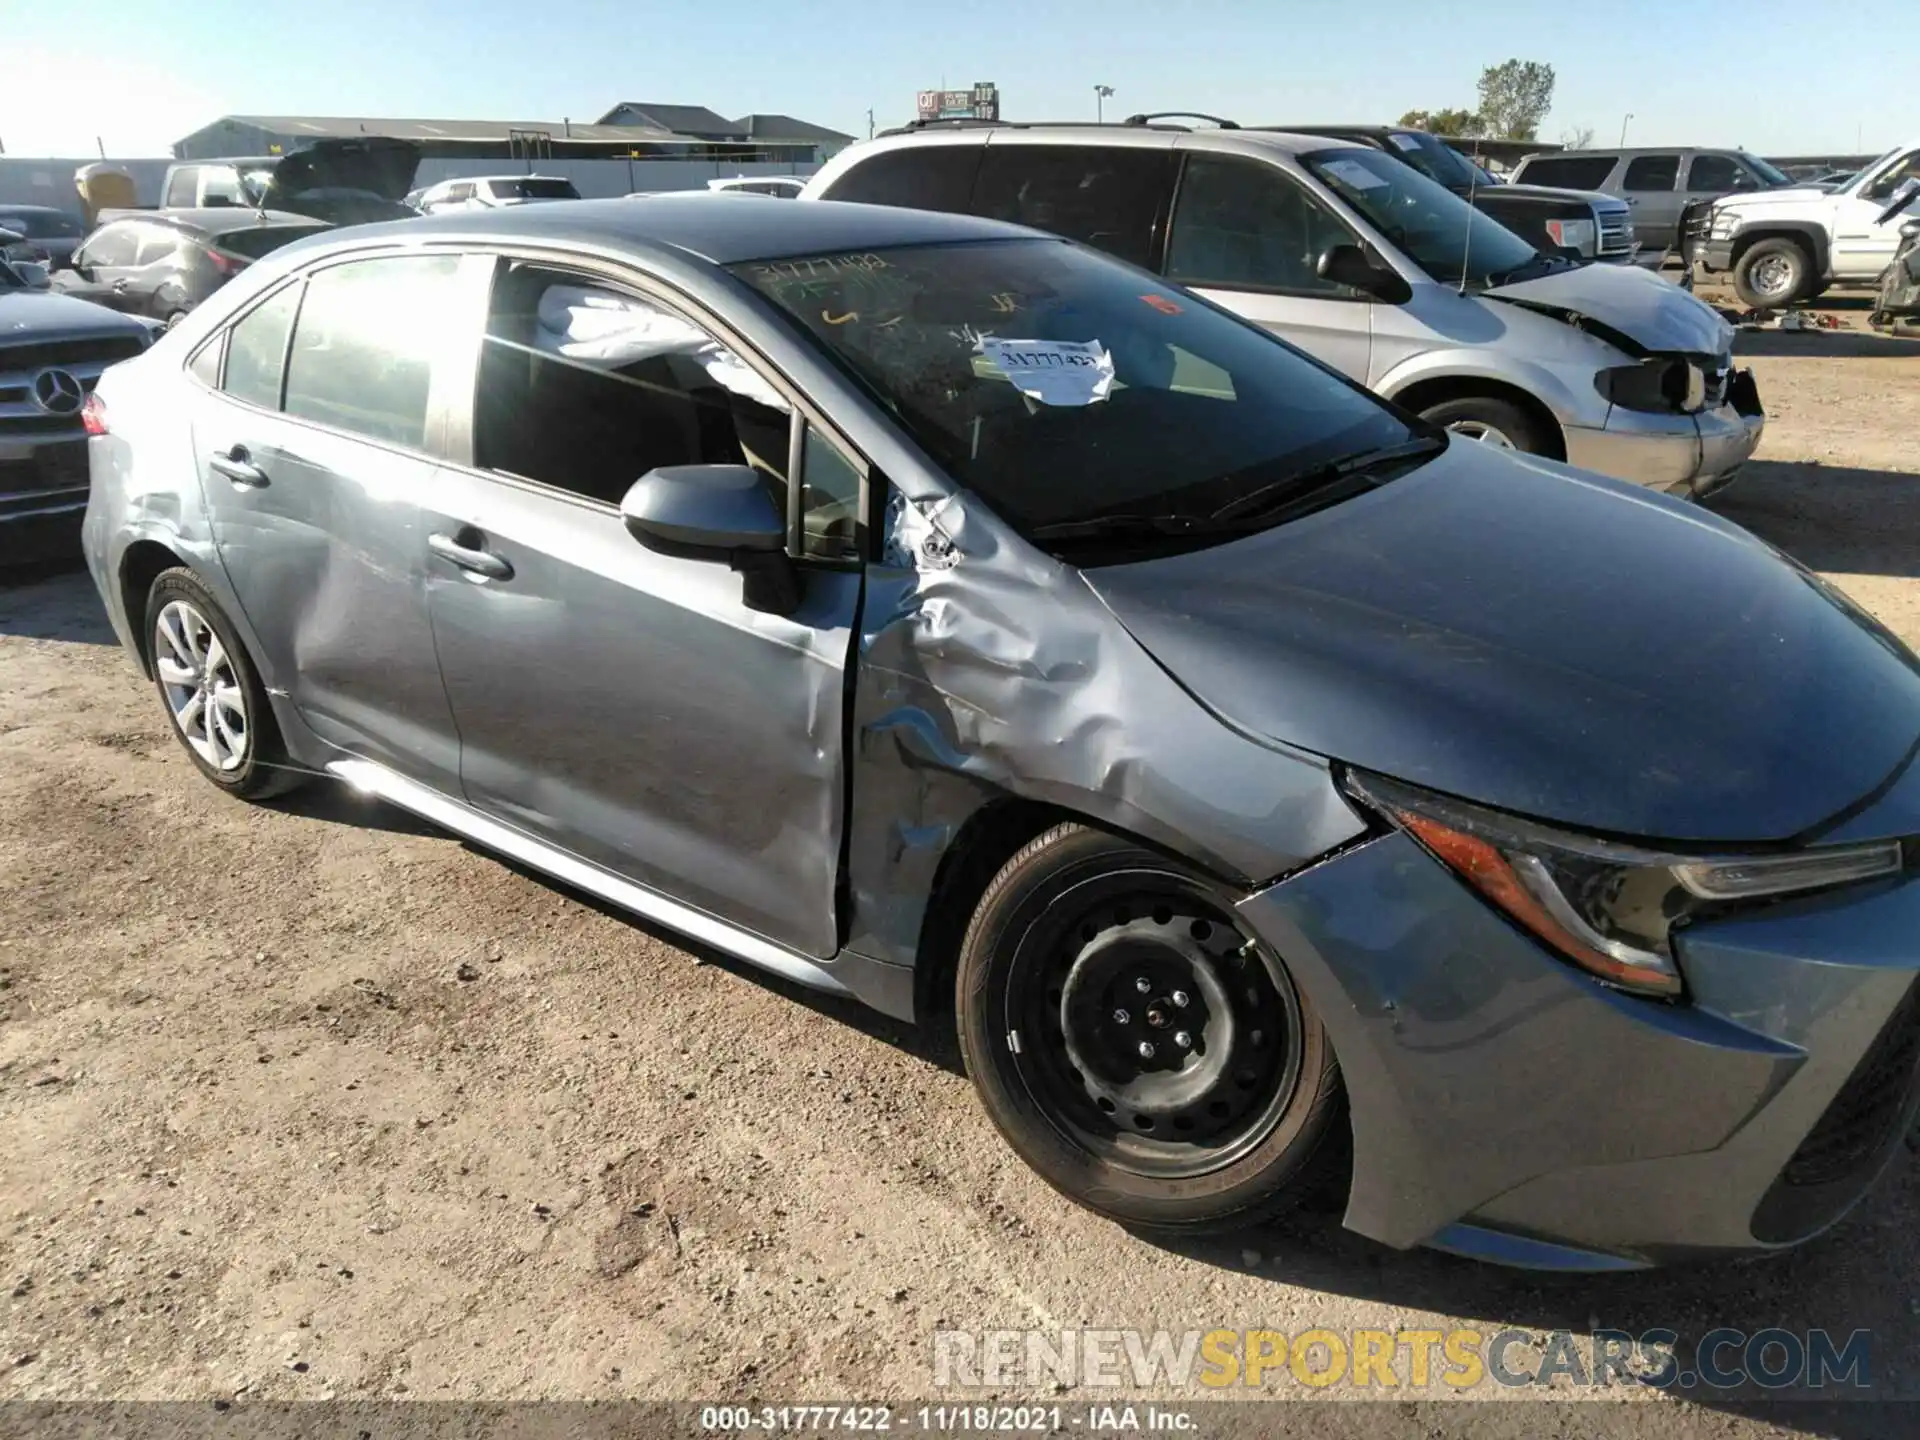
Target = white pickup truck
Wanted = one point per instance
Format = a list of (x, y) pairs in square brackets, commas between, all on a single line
[(1788, 245)]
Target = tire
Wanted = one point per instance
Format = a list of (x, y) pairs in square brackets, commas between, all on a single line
[(175, 318), (1491, 420), (184, 625), (1242, 1088), (1755, 272)]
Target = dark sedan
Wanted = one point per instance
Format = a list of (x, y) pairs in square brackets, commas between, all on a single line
[(162, 264), (47, 235)]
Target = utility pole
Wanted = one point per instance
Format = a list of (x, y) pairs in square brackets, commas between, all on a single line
[(1100, 94), (869, 124), (1623, 129)]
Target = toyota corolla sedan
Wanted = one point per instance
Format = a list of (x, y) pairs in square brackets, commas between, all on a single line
[(945, 615)]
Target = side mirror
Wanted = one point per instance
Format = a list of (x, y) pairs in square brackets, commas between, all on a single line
[(720, 513), (1349, 265)]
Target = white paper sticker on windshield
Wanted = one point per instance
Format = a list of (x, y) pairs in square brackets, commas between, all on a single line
[(1355, 174), (1405, 142), (1054, 372)]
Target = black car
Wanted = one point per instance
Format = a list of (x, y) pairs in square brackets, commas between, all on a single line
[(46, 234), (52, 350), (163, 263), (1588, 224)]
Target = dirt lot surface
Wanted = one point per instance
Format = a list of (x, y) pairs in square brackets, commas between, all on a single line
[(312, 1101)]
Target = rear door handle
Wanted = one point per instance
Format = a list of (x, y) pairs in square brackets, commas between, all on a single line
[(237, 467), (472, 557)]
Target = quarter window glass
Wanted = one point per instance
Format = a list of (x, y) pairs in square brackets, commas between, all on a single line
[(206, 362), (586, 389), (1651, 172), (919, 177), (156, 245), (1239, 224), (829, 500), (114, 246), (362, 356), (1109, 198), (257, 350), (1567, 172), (1712, 172)]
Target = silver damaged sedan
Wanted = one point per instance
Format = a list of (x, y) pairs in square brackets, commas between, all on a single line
[(1271, 790)]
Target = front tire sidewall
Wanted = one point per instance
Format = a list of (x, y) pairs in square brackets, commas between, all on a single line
[(1266, 1179), (1504, 416), (262, 771), (1786, 250)]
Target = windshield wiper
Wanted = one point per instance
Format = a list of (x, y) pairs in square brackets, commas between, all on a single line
[(1135, 526), (1264, 504)]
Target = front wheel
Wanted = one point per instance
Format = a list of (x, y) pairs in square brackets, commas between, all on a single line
[(1489, 420), (1772, 274), (1135, 1043)]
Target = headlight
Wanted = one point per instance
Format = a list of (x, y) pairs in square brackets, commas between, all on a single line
[(1660, 384), (1610, 909), (1579, 236), (1722, 225)]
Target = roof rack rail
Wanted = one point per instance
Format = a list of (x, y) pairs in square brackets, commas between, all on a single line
[(968, 122), (1148, 119)]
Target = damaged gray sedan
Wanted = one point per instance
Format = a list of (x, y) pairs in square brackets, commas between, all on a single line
[(951, 617)]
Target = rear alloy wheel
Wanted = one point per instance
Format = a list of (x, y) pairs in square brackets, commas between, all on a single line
[(1491, 421), (1145, 1053), (1772, 274), (213, 696)]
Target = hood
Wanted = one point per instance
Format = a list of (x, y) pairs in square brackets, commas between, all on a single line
[(35, 315), (1630, 307), (1600, 202), (378, 164), (1768, 199), (1545, 642)]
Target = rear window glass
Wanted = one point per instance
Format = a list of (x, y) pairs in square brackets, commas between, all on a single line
[(1567, 172), (919, 177), (535, 188), (262, 240)]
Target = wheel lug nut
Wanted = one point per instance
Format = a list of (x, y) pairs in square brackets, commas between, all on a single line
[(1121, 1017), (1183, 1039), (1180, 998), (1143, 985), (1146, 1050)]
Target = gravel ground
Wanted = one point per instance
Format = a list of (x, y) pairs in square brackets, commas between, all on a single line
[(312, 1101)]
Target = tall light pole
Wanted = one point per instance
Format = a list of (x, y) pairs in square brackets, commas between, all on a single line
[(1623, 129), (1100, 95)]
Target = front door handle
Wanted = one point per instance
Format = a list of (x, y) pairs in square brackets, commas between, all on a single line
[(473, 557), (238, 468)]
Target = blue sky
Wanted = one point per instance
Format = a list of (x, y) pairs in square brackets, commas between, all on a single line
[(1759, 73)]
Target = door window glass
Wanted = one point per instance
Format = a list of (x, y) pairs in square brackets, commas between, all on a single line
[(919, 177), (1651, 172), (362, 356), (1566, 172), (587, 388), (257, 350), (1238, 224), (1105, 196), (1712, 172), (112, 246)]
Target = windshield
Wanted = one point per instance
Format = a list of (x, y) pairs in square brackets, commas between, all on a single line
[(534, 188), (1434, 159), (1433, 227), (1772, 174), (1064, 388), (39, 224)]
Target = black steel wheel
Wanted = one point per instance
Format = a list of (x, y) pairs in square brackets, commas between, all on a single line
[(1147, 1054)]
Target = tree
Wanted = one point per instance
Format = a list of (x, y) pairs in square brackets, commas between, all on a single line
[(1515, 96), (1442, 122), (1577, 137)]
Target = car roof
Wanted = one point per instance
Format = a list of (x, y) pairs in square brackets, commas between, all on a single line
[(701, 223), (469, 179), (226, 219), (1604, 154), (1220, 137)]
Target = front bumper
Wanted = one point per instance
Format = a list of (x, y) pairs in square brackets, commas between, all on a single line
[(43, 496), (1505, 1105), (1716, 255), (1685, 455)]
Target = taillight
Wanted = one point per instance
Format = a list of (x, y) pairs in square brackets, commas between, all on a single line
[(93, 415), (225, 264)]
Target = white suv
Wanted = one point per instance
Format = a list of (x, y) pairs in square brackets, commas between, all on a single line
[(486, 192), (1788, 245), (1368, 265)]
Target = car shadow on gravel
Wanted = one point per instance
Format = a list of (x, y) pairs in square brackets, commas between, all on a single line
[(52, 601), (1857, 1277), (1824, 344), (1830, 517), (338, 803)]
